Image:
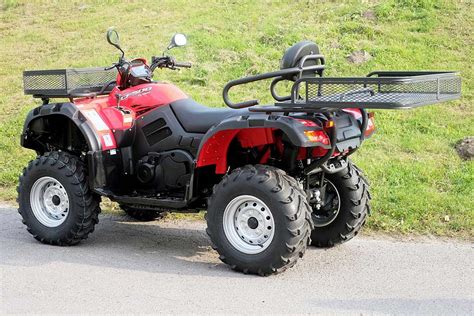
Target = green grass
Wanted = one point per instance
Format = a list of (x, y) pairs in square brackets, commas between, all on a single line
[(418, 182)]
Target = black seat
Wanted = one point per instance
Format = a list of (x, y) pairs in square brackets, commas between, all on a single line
[(198, 118)]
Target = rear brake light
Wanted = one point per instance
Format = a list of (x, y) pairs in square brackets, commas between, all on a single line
[(307, 122), (317, 137), (370, 125)]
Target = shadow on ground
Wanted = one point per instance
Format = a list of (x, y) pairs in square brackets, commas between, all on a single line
[(121, 243), (178, 247)]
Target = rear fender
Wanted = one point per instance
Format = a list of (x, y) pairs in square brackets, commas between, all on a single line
[(253, 130)]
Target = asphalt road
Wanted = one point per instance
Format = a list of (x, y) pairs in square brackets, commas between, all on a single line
[(168, 267)]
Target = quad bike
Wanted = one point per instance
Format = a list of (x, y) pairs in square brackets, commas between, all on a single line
[(273, 178)]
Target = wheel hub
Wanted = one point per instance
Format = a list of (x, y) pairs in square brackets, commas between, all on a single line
[(56, 200), (248, 224), (49, 201), (252, 222)]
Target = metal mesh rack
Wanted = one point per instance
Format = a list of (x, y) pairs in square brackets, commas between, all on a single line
[(388, 90), (66, 83)]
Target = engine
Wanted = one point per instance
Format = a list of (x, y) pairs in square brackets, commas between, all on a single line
[(164, 172)]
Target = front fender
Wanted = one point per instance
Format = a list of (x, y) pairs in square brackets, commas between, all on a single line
[(97, 134), (69, 111)]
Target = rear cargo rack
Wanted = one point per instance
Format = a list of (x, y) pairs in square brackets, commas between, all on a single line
[(68, 83), (379, 90)]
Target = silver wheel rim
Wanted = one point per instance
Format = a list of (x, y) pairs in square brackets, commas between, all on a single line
[(49, 201), (248, 224), (320, 221)]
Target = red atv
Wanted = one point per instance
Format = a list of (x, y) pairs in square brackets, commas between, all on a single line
[(273, 179)]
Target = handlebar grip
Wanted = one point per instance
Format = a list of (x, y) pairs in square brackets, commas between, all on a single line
[(183, 64), (110, 67)]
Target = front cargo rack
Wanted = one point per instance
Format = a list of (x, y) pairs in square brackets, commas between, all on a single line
[(69, 83), (379, 90)]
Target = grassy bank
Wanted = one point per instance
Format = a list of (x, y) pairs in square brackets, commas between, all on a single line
[(418, 182)]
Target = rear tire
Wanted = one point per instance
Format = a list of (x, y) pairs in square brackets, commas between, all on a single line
[(141, 215), (55, 201), (354, 197), (272, 214)]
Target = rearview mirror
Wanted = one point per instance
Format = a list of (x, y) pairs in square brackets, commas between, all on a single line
[(177, 40), (114, 39)]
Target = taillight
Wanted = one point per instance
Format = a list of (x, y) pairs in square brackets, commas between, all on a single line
[(307, 122), (317, 137), (370, 125)]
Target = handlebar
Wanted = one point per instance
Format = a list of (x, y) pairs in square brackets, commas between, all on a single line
[(111, 67), (167, 62), (183, 64)]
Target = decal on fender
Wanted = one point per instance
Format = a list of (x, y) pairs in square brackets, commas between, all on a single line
[(96, 120), (108, 140)]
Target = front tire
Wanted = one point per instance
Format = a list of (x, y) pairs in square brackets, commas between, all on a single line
[(351, 210), (258, 221), (55, 201)]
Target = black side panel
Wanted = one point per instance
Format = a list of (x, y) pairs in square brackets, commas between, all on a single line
[(152, 127), (106, 171), (158, 136), (159, 131)]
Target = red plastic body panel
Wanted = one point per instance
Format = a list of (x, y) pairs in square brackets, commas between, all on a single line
[(116, 119), (354, 111), (214, 151), (105, 117), (254, 137), (370, 127), (92, 109), (146, 97)]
